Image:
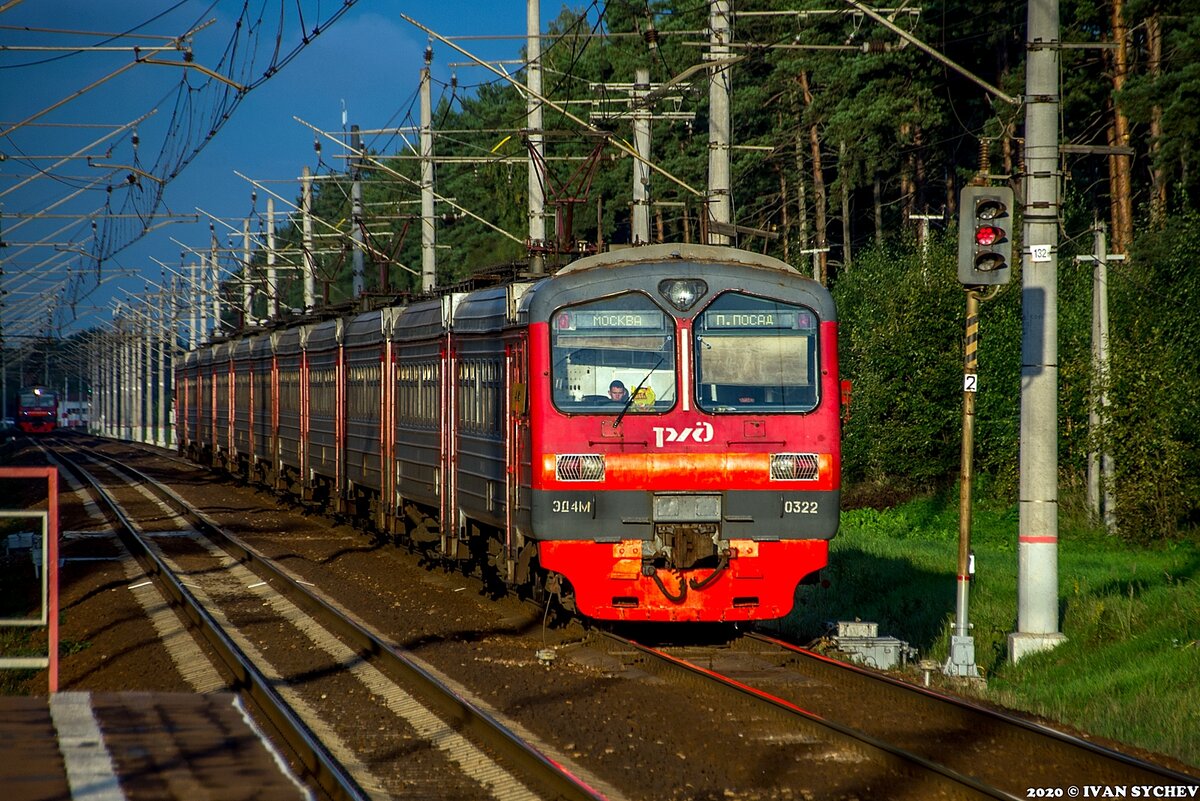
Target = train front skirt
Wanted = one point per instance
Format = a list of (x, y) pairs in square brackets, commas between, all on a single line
[(610, 584)]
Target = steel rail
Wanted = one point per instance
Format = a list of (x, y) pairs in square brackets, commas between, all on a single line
[(322, 768), (1121, 764), (946, 783), (548, 776)]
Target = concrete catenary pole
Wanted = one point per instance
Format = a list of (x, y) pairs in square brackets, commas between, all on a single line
[(537, 142), (272, 275), (720, 121), (1100, 462), (188, 297), (1037, 543), (145, 382), (247, 286), (127, 380), (107, 366), (310, 262), (215, 263), (356, 210), (428, 222), (200, 286), (164, 380), (640, 229)]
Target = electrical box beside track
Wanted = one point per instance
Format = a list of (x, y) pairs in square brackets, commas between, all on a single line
[(860, 640)]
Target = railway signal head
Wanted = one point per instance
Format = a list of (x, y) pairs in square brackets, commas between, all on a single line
[(985, 235)]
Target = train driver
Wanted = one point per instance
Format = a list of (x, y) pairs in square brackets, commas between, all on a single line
[(617, 392)]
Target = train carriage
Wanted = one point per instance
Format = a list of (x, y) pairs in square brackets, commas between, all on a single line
[(205, 389), (651, 434), (326, 409), (366, 356), (240, 414), (420, 354), (290, 403), (186, 378), (222, 440), (483, 322), (262, 405)]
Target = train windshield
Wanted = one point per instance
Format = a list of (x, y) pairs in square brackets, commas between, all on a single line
[(35, 400), (756, 355), (607, 351)]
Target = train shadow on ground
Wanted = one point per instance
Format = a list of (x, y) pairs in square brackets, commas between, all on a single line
[(908, 602)]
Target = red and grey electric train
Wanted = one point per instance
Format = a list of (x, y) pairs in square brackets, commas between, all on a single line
[(482, 424), (37, 410)]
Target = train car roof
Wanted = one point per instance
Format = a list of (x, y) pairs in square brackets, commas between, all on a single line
[(326, 334), (425, 319), (242, 348), (721, 269), (489, 310), (292, 339), (711, 254), (262, 344), (371, 327)]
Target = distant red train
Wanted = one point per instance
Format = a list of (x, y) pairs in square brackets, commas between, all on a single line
[(37, 411), (652, 434)]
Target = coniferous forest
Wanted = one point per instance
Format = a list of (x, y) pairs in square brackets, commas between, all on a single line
[(849, 148)]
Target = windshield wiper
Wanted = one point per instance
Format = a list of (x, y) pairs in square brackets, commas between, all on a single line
[(632, 395)]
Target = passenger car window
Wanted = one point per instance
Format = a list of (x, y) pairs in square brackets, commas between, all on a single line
[(603, 344), (756, 354)]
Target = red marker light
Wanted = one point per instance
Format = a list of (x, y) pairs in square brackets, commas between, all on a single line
[(988, 235)]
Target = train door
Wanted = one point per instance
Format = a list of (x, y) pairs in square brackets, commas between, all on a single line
[(386, 511), (516, 447), (449, 449)]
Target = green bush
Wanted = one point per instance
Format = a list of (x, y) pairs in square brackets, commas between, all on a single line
[(902, 322), (901, 345), (1153, 422)]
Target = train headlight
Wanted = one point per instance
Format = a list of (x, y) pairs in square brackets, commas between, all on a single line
[(579, 467), (795, 466), (682, 293)]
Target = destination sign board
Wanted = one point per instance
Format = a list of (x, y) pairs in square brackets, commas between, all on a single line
[(593, 319), (790, 320)]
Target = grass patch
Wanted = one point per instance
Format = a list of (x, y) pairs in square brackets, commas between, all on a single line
[(1131, 615)]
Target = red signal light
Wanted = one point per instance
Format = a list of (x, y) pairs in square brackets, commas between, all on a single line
[(988, 235)]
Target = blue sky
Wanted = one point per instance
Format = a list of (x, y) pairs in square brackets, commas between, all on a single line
[(367, 63)]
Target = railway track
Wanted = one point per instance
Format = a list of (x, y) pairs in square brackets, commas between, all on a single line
[(613, 717), (949, 746), (299, 659)]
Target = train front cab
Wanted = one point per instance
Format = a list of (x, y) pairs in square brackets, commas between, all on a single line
[(715, 491), (37, 411)]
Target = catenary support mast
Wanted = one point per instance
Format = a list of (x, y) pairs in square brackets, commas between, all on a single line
[(1037, 545), (537, 141), (720, 206)]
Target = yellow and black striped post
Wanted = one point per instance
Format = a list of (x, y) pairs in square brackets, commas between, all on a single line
[(962, 645)]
